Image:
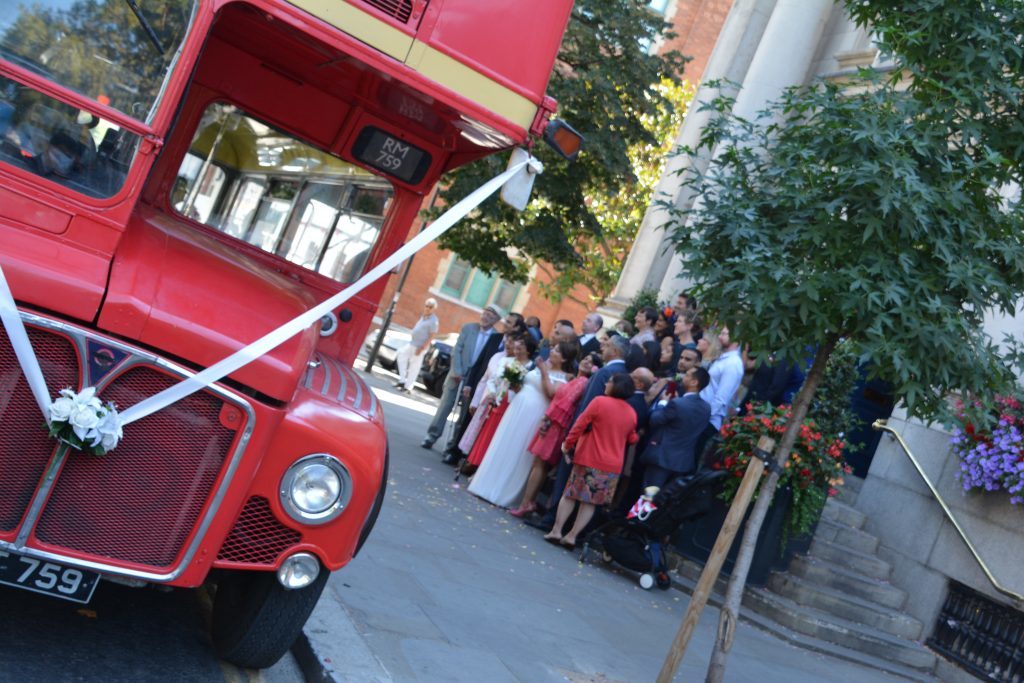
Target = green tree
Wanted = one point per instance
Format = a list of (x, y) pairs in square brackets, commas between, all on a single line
[(846, 213), (628, 104)]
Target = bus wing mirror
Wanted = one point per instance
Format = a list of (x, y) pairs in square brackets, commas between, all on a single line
[(563, 139)]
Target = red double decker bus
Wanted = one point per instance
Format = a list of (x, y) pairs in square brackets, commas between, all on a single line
[(178, 178)]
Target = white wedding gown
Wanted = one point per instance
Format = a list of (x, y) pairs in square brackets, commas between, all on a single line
[(502, 475)]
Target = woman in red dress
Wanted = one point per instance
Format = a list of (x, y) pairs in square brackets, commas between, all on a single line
[(546, 446), (523, 348), (598, 443)]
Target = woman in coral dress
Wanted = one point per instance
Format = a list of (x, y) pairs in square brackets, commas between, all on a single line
[(478, 406), (499, 395), (502, 474), (546, 446)]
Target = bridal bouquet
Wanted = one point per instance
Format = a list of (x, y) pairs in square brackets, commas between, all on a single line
[(84, 423), (511, 379)]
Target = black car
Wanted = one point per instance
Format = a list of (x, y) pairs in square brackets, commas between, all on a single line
[(435, 364)]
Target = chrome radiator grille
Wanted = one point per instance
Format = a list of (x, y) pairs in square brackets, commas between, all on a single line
[(136, 506)]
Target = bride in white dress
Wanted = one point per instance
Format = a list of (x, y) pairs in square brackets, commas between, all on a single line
[(506, 465)]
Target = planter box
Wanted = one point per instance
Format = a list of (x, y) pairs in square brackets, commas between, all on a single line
[(694, 540)]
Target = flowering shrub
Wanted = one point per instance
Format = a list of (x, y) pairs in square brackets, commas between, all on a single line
[(814, 469), (993, 458)]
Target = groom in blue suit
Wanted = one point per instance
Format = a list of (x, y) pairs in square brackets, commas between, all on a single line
[(675, 426)]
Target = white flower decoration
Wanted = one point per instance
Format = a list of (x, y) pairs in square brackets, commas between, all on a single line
[(81, 420)]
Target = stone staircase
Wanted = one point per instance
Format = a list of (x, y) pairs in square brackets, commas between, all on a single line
[(840, 594), (837, 599)]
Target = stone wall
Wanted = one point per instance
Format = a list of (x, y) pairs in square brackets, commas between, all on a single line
[(923, 547)]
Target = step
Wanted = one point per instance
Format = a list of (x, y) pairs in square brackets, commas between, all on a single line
[(830, 575), (840, 534), (685, 577), (819, 624), (842, 513), (846, 495), (845, 605), (862, 563)]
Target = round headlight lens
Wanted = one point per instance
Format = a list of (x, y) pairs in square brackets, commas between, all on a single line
[(298, 571), (315, 488)]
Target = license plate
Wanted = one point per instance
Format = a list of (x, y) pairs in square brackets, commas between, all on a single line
[(48, 578)]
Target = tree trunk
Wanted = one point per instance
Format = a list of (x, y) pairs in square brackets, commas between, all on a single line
[(738, 580)]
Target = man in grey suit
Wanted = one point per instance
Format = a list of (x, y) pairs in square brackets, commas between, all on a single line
[(473, 337), (675, 426)]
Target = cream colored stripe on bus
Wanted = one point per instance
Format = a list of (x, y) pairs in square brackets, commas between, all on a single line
[(432, 63)]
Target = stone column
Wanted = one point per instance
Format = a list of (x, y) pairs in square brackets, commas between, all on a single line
[(650, 255), (783, 58)]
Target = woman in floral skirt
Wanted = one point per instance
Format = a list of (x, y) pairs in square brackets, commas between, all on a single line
[(596, 445)]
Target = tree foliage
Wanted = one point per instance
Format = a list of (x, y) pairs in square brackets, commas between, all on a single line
[(584, 216), (965, 60), (840, 214)]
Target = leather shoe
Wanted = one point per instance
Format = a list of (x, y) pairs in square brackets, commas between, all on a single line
[(426, 443), (450, 458)]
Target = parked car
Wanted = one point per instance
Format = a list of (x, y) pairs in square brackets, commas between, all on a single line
[(435, 364)]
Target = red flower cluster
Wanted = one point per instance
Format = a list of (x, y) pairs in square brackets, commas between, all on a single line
[(814, 469)]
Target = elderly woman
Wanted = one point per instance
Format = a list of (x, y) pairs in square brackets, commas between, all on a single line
[(596, 445)]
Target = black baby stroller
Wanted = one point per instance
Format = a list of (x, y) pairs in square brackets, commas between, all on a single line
[(636, 542)]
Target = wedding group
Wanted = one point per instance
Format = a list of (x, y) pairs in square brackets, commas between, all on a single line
[(605, 413)]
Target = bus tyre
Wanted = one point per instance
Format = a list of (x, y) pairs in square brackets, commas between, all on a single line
[(255, 620)]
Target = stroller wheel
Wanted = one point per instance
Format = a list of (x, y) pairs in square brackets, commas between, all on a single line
[(663, 580), (646, 582)]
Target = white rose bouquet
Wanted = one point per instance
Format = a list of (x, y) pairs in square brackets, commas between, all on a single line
[(511, 379), (85, 423)]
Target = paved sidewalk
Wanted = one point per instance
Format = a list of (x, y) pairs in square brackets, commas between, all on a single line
[(450, 588)]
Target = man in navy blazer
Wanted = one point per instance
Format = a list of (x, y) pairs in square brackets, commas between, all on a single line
[(675, 427)]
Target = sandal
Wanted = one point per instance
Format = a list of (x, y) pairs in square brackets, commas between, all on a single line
[(571, 545), (523, 510), (553, 540)]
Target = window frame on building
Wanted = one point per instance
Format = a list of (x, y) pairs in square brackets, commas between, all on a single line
[(466, 290)]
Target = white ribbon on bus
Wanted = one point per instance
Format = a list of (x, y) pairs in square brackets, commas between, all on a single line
[(34, 375)]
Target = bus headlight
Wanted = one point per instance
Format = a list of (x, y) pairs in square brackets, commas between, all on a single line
[(298, 571), (315, 489)]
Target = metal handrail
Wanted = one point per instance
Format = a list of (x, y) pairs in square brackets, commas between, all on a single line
[(882, 425)]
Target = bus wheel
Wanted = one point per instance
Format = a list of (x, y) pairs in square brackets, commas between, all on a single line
[(256, 620)]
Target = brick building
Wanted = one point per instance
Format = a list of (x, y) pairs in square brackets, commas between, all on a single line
[(461, 290)]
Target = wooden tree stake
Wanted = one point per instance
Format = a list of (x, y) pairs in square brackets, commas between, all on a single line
[(713, 567)]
